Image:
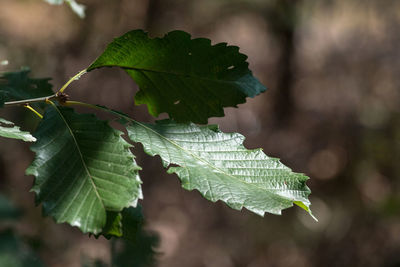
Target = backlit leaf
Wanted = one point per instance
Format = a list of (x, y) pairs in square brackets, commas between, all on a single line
[(9, 130), (190, 79), (221, 168)]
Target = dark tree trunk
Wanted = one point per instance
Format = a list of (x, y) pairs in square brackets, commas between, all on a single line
[(282, 18)]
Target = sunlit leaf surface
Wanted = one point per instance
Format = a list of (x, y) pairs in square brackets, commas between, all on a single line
[(9, 130), (221, 168)]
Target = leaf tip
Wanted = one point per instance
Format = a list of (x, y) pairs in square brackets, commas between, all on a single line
[(312, 216), (306, 208)]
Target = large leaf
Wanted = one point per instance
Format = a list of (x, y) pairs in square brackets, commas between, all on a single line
[(190, 79), (19, 86), (79, 9), (9, 130), (221, 168), (83, 169)]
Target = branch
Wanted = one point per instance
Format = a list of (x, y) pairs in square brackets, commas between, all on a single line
[(30, 101)]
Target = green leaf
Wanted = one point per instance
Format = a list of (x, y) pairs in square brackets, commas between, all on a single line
[(19, 86), (14, 253), (83, 169), (79, 9), (131, 244), (113, 227), (190, 79), (9, 130), (125, 224), (221, 168), (3, 98), (132, 223), (137, 244)]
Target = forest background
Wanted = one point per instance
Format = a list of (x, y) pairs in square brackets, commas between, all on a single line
[(332, 111)]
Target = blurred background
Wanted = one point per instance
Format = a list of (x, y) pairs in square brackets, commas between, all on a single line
[(332, 111)]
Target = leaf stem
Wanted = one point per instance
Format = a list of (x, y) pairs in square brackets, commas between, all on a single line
[(33, 110), (76, 77), (29, 101), (102, 108), (59, 95), (77, 103)]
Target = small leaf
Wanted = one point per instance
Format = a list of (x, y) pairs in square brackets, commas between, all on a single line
[(190, 79), (221, 168), (83, 169), (125, 224), (79, 9), (18, 86), (9, 130), (113, 225), (132, 223), (137, 244)]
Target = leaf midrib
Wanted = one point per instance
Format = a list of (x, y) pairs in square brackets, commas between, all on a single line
[(81, 156), (190, 75), (207, 162)]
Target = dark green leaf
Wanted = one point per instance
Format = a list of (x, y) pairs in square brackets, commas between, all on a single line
[(221, 168), (126, 224), (132, 223), (190, 79), (9, 130), (3, 98), (83, 169), (113, 227), (133, 245), (18, 86), (136, 248)]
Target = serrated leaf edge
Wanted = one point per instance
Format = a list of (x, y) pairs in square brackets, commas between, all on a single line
[(304, 205)]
